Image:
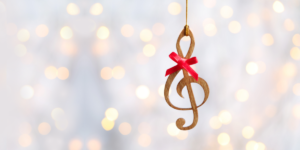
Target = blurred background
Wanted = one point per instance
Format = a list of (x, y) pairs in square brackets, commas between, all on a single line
[(89, 74)]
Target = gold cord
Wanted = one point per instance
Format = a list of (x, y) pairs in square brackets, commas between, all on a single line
[(186, 27)]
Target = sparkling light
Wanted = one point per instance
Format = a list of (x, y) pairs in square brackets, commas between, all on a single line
[(66, 33), (289, 69), (234, 27), (251, 68), (295, 53), (127, 30), (209, 27), (63, 73), (44, 128), (23, 35), (270, 111), (144, 128), (242, 95), (102, 32), (296, 89), (125, 128), (289, 25), (75, 144), (118, 72), (174, 8), (172, 129), (225, 117), (106, 73), (111, 114), (146, 35), (149, 50), (73, 9), (158, 29), (296, 39), (267, 39), (96, 9), (142, 92), (25, 140), (51, 72), (144, 140), (20, 50), (27, 92), (253, 20), (58, 114), (226, 12), (182, 135), (209, 3), (278, 7), (100, 48), (296, 111), (42, 30), (107, 124), (215, 122), (223, 139), (248, 132), (94, 144)]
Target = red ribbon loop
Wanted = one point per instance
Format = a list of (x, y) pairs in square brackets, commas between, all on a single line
[(182, 64)]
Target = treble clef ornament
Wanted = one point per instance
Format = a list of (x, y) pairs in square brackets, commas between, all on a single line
[(183, 63)]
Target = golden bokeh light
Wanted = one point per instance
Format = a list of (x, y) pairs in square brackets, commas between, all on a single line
[(61, 124), (41, 30), (278, 6), (68, 48), (296, 111), (209, 3), (209, 27), (25, 140), (23, 35), (96, 9), (102, 32), (75, 144), (149, 50), (144, 128), (20, 50), (282, 86), (146, 35), (44, 128), (223, 139), (182, 135), (226, 12), (127, 30), (73, 9), (111, 114), (174, 8), (94, 144), (267, 39), (252, 145), (161, 90), (295, 53), (289, 69), (215, 122), (66, 33), (142, 92), (226, 147), (100, 48), (172, 129), (242, 95), (118, 72), (51, 72), (296, 89), (261, 146), (158, 29), (251, 68), (25, 128), (225, 117), (289, 25), (270, 111), (63, 73), (253, 20), (234, 27), (106, 73), (248, 132), (144, 140), (296, 39), (58, 114), (125, 128), (107, 124), (27, 92)]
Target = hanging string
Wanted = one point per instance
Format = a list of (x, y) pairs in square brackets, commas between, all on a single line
[(186, 27)]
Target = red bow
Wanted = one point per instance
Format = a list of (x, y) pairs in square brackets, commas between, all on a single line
[(183, 64)]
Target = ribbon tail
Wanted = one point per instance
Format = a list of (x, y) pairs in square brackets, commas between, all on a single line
[(192, 61), (172, 70), (191, 71)]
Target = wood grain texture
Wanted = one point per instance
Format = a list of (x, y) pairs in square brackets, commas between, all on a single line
[(186, 81)]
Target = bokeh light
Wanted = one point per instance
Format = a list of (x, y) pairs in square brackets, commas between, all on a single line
[(226, 147), (248, 132), (251, 68), (270, 111), (102, 32), (215, 122), (226, 12), (144, 128), (125, 128), (149, 50), (253, 20), (23, 35), (282, 86), (25, 140), (75, 144), (267, 39), (289, 25), (158, 29), (234, 27), (100, 48), (209, 3), (20, 50), (41, 30), (182, 135), (174, 8), (44, 128), (296, 89), (278, 6), (142, 92), (172, 129), (225, 117), (295, 53), (296, 111), (252, 145), (94, 144), (62, 73), (106, 73), (111, 114), (96, 9), (242, 95), (27, 92), (223, 139), (51, 72), (146, 35), (127, 30), (209, 27), (107, 124), (66, 33), (118, 72), (68, 48), (144, 140), (289, 70), (296, 39), (73, 9), (58, 114)]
